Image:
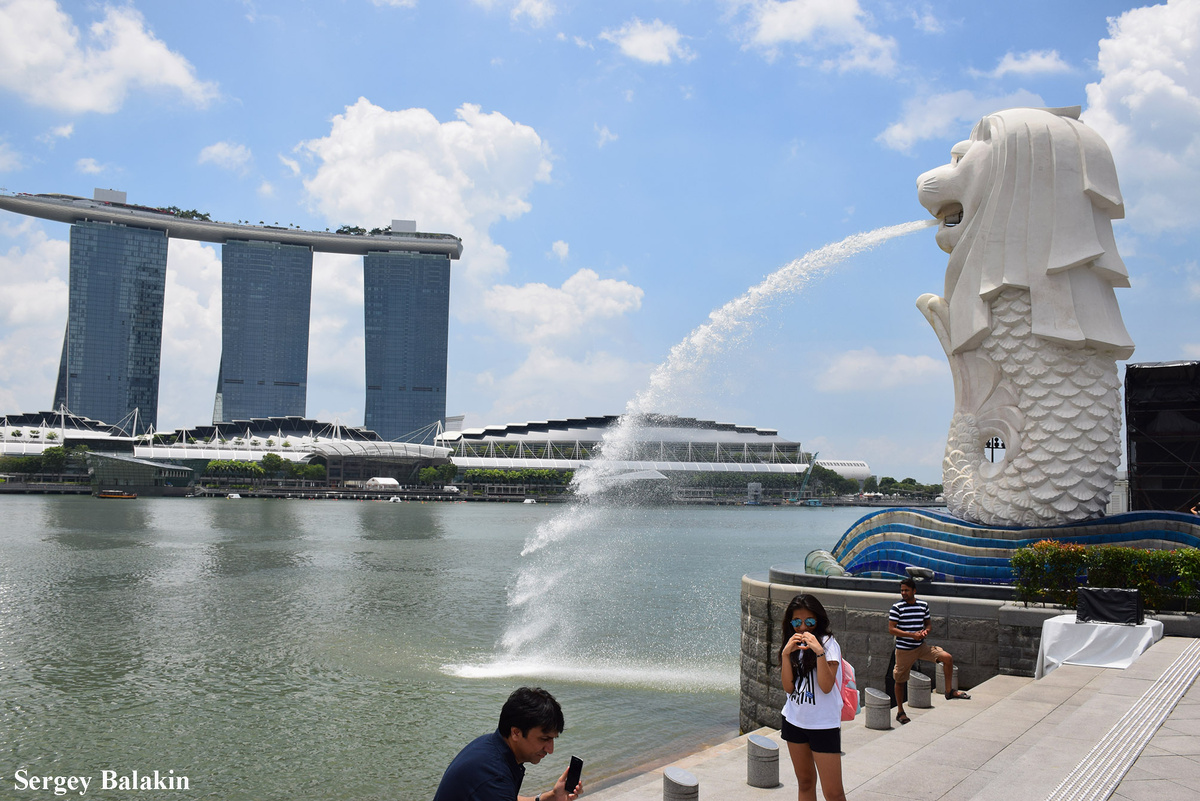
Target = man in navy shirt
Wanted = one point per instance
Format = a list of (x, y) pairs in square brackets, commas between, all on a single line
[(491, 767), (908, 622)]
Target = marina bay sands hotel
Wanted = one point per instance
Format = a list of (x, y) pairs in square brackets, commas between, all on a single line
[(112, 347)]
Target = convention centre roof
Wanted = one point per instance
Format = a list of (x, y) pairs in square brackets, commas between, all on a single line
[(29, 433)]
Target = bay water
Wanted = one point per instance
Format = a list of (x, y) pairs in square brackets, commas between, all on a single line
[(320, 649)]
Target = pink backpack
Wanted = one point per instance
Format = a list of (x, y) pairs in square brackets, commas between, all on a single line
[(849, 690)]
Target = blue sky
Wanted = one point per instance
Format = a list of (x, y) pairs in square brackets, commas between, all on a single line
[(616, 170)]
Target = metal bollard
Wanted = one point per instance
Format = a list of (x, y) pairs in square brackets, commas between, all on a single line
[(919, 687), (879, 709), (679, 785), (940, 672), (762, 761)]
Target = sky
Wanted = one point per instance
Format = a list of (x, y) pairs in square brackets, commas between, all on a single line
[(617, 171)]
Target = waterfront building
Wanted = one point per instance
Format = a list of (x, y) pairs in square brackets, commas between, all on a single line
[(406, 312), (110, 356), (29, 434), (351, 455), (110, 471), (266, 291), (664, 445)]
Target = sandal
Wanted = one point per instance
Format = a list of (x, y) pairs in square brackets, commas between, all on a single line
[(902, 718), (957, 694)]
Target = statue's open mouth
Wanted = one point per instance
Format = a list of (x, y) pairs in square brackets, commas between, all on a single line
[(952, 215)]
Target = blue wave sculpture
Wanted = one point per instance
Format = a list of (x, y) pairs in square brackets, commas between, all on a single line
[(884, 543)]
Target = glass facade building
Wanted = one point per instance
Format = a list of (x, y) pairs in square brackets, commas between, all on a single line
[(406, 309), (112, 348), (266, 293)]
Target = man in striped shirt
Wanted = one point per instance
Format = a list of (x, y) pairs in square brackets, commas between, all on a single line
[(908, 622)]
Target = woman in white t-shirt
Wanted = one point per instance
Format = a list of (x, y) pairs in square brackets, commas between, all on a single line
[(811, 662)]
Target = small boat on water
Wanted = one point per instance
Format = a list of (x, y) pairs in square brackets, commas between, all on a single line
[(234, 496), (530, 500), (121, 494)]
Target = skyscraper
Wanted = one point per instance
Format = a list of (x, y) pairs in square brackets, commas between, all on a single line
[(110, 358), (406, 310), (266, 290), (111, 352)]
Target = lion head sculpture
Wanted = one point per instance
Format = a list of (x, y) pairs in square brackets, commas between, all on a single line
[(1028, 201)]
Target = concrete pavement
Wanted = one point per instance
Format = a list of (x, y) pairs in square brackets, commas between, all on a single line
[(1079, 734)]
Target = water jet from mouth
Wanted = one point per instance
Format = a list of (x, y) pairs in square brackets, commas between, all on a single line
[(561, 584)]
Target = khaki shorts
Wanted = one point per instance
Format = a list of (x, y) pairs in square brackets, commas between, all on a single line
[(906, 659)]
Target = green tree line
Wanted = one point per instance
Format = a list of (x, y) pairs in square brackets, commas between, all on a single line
[(272, 466), (442, 474), (907, 486), (527, 476), (55, 459)]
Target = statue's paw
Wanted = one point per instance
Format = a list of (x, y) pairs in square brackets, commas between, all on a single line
[(937, 312)]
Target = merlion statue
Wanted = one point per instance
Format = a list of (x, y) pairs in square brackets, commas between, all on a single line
[(1029, 320)]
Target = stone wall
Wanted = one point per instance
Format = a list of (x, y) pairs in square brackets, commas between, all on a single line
[(986, 636)]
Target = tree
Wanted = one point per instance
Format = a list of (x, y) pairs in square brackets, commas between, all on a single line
[(870, 485), (54, 459), (273, 464)]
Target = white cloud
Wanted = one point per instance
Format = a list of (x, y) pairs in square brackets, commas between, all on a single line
[(266, 189), (191, 336), (1147, 107), (816, 26), (10, 160), (292, 165), (947, 116), (548, 384), (894, 456), (561, 249), (455, 177), (1033, 62), (336, 351), (226, 155), (396, 3), (584, 44), (867, 370), (44, 59), (653, 43), (33, 315), (604, 136), (539, 12), (925, 19), (59, 132), (538, 313), (89, 166), (458, 177)]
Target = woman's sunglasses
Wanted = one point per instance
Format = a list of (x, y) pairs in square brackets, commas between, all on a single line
[(811, 622)]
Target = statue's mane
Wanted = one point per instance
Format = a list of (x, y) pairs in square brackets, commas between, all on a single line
[(1045, 225)]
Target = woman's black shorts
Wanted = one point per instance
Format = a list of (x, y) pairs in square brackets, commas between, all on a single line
[(820, 741)]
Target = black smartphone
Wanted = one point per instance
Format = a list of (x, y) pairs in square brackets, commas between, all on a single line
[(573, 773)]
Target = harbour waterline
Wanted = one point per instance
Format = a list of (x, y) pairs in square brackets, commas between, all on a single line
[(266, 649)]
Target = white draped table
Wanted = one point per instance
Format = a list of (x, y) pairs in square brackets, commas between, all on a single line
[(1065, 641)]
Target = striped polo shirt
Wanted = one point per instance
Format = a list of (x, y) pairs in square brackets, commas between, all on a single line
[(909, 617)]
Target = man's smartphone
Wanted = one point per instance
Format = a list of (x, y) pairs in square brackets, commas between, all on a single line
[(573, 773)]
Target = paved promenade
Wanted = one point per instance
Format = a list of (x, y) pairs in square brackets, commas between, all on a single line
[(1079, 734)]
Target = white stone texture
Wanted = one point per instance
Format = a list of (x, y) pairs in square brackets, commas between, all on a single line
[(1029, 321)]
